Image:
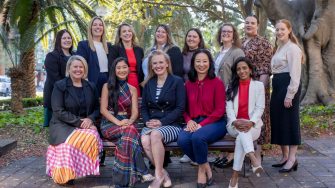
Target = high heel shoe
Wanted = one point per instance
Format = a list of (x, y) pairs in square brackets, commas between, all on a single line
[(257, 170), (294, 167), (167, 180), (236, 186), (279, 164), (158, 181), (147, 178), (210, 181)]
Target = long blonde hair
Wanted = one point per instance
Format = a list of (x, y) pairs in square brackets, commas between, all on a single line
[(151, 72), (170, 41), (90, 36), (118, 40)]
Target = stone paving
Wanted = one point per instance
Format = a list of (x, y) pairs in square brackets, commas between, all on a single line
[(315, 170)]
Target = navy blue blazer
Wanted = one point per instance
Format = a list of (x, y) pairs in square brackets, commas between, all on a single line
[(171, 102), (91, 58), (119, 51)]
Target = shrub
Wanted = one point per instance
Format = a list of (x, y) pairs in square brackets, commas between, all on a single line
[(27, 103)]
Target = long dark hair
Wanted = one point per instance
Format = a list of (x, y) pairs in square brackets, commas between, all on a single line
[(186, 48), (234, 83), (58, 41), (113, 85), (193, 75)]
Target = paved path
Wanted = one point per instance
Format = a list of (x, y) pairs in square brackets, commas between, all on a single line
[(316, 169)]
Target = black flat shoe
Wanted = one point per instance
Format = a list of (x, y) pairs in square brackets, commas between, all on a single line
[(220, 160), (279, 164), (225, 164), (210, 181), (201, 185), (294, 167)]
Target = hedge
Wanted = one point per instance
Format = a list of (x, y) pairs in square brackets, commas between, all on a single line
[(27, 103)]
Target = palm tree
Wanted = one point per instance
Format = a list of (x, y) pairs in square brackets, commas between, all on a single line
[(32, 21)]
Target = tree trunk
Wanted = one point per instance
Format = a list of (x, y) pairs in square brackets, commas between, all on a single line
[(2, 68), (314, 24), (16, 75), (28, 67)]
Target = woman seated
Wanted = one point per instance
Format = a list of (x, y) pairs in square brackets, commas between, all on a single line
[(245, 106), (74, 141), (119, 108), (206, 101), (162, 106)]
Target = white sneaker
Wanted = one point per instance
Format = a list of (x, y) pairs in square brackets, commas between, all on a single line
[(194, 163), (184, 159)]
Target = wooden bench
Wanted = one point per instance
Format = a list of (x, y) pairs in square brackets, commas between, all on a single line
[(226, 144)]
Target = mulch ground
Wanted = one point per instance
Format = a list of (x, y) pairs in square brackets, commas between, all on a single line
[(30, 143)]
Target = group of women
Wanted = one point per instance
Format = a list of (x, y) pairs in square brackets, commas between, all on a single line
[(213, 97)]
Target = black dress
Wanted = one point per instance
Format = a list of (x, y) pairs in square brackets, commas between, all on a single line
[(285, 122)]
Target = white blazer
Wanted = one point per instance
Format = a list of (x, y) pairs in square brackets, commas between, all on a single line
[(255, 108)]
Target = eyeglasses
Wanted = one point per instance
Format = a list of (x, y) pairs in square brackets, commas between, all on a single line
[(226, 31)]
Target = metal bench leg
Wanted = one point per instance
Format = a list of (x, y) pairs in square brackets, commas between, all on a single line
[(244, 168), (102, 158)]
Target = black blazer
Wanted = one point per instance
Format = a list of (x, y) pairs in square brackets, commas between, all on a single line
[(91, 57), (55, 66), (65, 106), (171, 102), (119, 51), (177, 60)]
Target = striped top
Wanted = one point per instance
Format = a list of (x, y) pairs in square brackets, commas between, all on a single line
[(158, 92)]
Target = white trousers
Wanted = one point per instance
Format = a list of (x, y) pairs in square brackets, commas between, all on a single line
[(243, 144)]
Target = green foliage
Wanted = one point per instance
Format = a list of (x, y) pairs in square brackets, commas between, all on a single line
[(317, 116), (32, 117), (27, 103)]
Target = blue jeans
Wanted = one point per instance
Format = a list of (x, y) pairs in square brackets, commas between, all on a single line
[(195, 145)]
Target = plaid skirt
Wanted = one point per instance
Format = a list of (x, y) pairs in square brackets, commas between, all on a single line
[(128, 166), (78, 156)]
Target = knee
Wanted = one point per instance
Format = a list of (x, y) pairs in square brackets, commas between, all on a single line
[(197, 138), (155, 136), (130, 129), (145, 142)]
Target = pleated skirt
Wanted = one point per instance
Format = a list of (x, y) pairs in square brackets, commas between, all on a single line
[(78, 156), (285, 122)]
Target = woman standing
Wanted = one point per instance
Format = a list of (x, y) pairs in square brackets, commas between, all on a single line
[(120, 110), (163, 103), (204, 114), (55, 65), (259, 51), (245, 106), (126, 46), (74, 141), (285, 121), (95, 51), (229, 40), (193, 41), (164, 41)]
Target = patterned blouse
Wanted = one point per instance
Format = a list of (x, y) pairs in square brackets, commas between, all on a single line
[(259, 51)]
